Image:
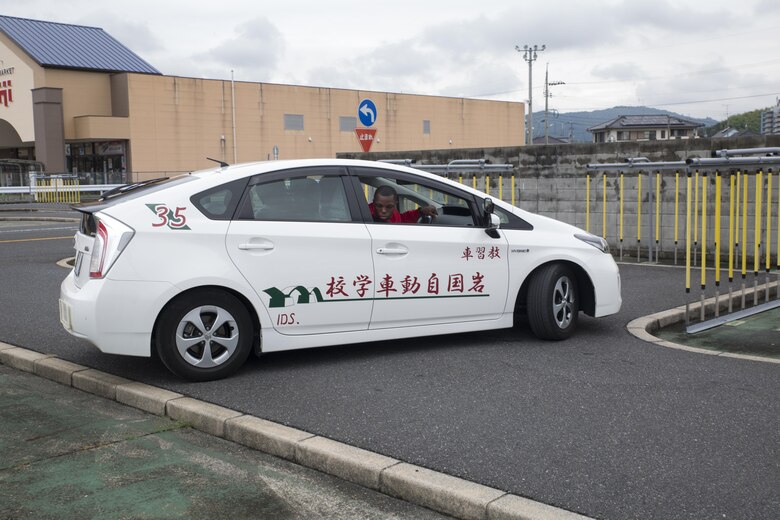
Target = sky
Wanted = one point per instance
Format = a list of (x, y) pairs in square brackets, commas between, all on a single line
[(702, 59)]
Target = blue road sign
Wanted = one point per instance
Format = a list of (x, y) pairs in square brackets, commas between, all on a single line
[(367, 112)]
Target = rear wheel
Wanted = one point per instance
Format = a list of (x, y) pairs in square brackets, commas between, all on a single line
[(553, 304), (204, 335)]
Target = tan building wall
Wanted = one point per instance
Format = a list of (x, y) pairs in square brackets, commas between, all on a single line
[(83, 94), (16, 107), (175, 123)]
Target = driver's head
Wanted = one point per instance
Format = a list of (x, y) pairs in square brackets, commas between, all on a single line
[(385, 201)]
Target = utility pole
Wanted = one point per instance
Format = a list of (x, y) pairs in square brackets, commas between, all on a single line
[(547, 86), (529, 55)]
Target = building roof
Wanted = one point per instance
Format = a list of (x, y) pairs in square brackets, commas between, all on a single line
[(645, 121), (65, 46), (734, 132)]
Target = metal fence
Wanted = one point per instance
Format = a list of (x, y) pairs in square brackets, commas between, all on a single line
[(720, 211)]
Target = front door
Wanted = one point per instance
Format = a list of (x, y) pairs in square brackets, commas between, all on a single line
[(435, 269)]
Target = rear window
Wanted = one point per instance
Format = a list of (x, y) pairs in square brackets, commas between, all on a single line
[(220, 203)]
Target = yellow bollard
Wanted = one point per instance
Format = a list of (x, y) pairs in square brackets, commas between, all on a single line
[(703, 232), (500, 187), (744, 223), (736, 205), (587, 202), (460, 178), (487, 184), (718, 195), (604, 206), (687, 242), (768, 239), (657, 212), (676, 212), (731, 227), (513, 190), (696, 208), (638, 214), (757, 230), (474, 181), (620, 225)]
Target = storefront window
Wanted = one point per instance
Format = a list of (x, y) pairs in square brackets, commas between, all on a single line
[(102, 162)]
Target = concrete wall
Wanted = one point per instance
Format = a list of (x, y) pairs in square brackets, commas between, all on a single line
[(552, 180)]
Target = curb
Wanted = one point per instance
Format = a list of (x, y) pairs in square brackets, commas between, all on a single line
[(437, 491), (645, 328)]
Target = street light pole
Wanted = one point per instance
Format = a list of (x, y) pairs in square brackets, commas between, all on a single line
[(529, 55)]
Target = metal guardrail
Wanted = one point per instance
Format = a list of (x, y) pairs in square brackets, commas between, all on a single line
[(456, 166), (83, 188)]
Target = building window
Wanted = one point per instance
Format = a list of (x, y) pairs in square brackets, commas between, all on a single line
[(622, 135), (680, 132), (663, 134), (347, 124), (650, 134), (426, 127), (293, 121)]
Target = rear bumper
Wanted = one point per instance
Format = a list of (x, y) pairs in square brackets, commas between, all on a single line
[(116, 317)]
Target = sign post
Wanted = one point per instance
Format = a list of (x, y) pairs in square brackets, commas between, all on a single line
[(365, 137)]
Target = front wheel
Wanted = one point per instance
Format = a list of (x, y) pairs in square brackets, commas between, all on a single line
[(553, 304), (204, 335)]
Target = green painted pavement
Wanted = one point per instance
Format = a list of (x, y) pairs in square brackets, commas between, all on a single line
[(757, 335), (66, 454)]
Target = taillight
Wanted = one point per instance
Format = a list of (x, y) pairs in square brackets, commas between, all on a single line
[(111, 238), (98, 251)]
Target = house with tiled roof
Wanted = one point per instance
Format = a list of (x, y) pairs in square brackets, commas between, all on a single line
[(644, 128)]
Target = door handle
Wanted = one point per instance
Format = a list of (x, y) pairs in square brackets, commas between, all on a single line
[(246, 247), (391, 251)]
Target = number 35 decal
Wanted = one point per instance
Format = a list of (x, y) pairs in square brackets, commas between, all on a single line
[(173, 218)]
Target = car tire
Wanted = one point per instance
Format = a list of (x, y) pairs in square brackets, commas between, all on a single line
[(204, 335), (553, 302)]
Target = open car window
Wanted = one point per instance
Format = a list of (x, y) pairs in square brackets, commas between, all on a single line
[(412, 195)]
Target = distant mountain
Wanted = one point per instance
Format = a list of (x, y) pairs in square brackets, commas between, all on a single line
[(577, 123)]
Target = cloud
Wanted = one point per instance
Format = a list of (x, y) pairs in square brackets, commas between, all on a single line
[(136, 36), (256, 49), (622, 71)]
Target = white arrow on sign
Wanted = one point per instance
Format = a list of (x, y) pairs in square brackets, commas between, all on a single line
[(366, 111)]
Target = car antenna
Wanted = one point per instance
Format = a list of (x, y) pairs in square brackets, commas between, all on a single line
[(221, 163)]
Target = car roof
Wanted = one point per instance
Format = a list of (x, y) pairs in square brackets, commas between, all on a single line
[(221, 174)]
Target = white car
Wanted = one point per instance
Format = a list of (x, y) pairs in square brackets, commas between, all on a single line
[(209, 266)]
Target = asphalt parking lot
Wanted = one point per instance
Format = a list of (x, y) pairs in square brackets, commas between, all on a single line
[(604, 424)]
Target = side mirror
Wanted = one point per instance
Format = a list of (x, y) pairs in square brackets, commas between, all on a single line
[(488, 208), (491, 220)]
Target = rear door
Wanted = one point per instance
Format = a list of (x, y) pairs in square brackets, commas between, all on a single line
[(299, 241)]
